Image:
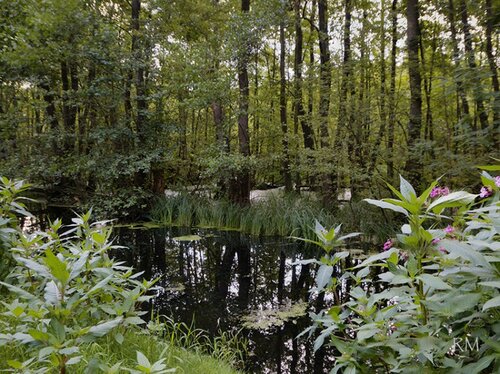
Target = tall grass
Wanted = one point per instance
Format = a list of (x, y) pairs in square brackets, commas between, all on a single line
[(107, 351), (277, 215)]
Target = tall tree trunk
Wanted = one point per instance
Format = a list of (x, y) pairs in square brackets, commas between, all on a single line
[(299, 113), (139, 72), (471, 61), (310, 93), (66, 107), (324, 92), (392, 92), (490, 16), (241, 191), (50, 111), (413, 166), (383, 114), (463, 112), (287, 176), (428, 129)]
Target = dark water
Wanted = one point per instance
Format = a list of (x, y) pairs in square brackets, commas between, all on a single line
[(216, 280)]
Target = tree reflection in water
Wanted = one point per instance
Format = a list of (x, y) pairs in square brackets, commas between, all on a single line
[(214, 281)]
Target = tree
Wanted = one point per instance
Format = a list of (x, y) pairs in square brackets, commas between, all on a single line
[(413, 166)]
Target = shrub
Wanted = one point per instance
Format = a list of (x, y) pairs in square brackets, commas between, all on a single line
[(439, 307), (64, 290)]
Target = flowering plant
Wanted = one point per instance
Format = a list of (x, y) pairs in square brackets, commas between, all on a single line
[(438, 285)]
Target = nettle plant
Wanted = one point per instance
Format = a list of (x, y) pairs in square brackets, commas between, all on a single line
[(435, 305), (64, 291)]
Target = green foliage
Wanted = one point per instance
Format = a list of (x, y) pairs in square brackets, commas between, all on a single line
[(11, 207), (67, 303), (435, 306)]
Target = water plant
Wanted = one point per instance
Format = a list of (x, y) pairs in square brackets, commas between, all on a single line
[(277, 215), (436, 305)]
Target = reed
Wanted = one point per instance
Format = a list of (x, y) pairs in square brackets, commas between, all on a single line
[(276, 216)]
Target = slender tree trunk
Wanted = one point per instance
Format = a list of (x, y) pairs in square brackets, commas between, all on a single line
[(139, 72), (463, 112), (428, 130), (324, 92), (241, 191), (392, 93), (413, 167), (383, 114), (310, 93), (299, 113), (494, 72), (287, 176), (68, 120), (50, 111), (471, 61)]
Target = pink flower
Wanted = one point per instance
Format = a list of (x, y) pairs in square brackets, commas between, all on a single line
[(497, 181), (439, 191), (436, 240), (435, 192), (449, 229), (441, 249), (388, 244), (485, 192), (404, 256)]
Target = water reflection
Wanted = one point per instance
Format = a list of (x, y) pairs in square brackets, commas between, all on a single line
[(225, 275)]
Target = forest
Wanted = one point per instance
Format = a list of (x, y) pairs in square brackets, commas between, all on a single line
[(245, 152), (106, 103)]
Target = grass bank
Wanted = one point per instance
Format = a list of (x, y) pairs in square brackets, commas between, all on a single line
[(277, 215), (108, 350)]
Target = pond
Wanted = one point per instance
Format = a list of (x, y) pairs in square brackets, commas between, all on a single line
[(227, 280)]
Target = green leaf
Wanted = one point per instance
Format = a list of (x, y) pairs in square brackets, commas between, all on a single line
[(142, 360), (495, 284), (493, 303), (434, 282), (451, 200), (367, 331), (377, 257), (119, 338), (323, 276), (385, 205), (489, 167), (52, 294), (22, 293), (34, 266), (57, 267), (74, 360), (105, 327), (407, 189), (466, 251), (15, 364)]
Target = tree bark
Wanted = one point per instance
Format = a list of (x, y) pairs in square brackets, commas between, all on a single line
[(241, 191), (383, 115), (324, 93), (471, 61), (413, 166), (494, 72), (139, 72), (287, 176), (392, 93), (463, 112)]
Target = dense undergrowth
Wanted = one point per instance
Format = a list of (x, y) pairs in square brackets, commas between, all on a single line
[(435, 305), (67, 306)]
